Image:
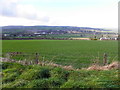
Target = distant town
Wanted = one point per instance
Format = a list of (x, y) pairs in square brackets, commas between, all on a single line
[(57, 32)]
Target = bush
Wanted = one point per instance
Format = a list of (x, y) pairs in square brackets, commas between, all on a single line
[(78, 75), (45, 83), (11, 70), (35, 73), (45, 73), (59, 73), (73, 84), (20, 83), (55, 82), (16, 84), (6, 65), (43, 70), (80, 84), (10, 75), (40, 83)]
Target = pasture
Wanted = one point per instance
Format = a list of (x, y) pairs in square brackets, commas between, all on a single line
[(78, 53)]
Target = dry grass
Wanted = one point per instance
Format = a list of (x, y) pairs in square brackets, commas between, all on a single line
[(113, 65)]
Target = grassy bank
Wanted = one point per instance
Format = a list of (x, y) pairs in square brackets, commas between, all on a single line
[(34, 76)]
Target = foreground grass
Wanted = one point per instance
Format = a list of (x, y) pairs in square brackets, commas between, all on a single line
[(78, 53), (34, 76)]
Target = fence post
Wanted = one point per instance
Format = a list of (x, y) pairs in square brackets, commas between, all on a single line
[(105, 61), (36, 58), (31, 63), (26, 63)]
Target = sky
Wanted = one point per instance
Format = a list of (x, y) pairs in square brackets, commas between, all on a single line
[(81, 13)]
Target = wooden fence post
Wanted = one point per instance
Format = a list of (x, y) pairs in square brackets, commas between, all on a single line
[(26, 63), (36, 58), (105, 61)]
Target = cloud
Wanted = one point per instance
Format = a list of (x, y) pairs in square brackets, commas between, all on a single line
[(8, 7), (30, 12), (26, 11), (40, 12), (5, 21), (12, 8)]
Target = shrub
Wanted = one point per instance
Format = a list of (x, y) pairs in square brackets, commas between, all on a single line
[(7, 85), (11, 70), (45, 83), (30, 74), (59, 73), (55, 82), (6, 65), (73, 84), (20, 83), (40, 83), (79, 75), (16, 84), (35, 73), (9, 77), (45, 73)]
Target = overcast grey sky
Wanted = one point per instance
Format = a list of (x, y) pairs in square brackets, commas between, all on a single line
[(83, 13)]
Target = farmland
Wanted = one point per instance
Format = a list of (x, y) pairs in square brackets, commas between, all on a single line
[(78, 53)]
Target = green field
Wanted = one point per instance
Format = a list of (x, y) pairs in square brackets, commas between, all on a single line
[(78, 53)]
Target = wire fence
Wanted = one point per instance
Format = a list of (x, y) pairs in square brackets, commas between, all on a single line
[(35, 58)]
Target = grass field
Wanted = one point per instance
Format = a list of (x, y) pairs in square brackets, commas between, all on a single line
[(78, 53)]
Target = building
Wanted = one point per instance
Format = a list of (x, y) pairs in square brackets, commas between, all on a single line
[(106, 38)]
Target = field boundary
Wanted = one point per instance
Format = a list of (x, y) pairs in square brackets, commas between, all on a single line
[(113, 65)]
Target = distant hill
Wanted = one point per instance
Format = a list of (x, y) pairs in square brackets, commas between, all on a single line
[(21, 29)]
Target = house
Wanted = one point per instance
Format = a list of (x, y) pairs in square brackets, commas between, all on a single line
[(106, 38), (115, 38), (5, 35), (39, 34)]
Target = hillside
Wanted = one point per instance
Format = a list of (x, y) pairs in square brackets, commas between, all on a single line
[(15, 29), (53, 32)]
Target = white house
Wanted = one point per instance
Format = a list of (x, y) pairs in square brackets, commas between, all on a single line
[(104, 38)]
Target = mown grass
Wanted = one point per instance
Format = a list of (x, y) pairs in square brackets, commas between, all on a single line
[(35, 76), (78, 53)]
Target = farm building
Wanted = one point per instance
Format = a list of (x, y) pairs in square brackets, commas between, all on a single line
[(106, 38)]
